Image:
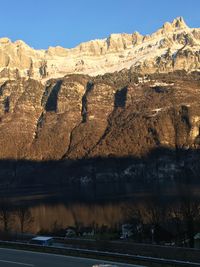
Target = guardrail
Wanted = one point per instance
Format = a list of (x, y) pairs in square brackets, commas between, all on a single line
[(146, 250), (120, 257)]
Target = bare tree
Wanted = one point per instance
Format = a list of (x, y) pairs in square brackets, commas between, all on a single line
[(176, 218), (5, 213), (188, 210), (156, 208), (133, 213), (78, 224), (156, 213), (25, 217)]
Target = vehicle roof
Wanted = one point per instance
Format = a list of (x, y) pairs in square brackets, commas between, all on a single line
[(42, 238)]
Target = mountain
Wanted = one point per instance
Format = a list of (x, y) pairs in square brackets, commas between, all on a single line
[(108, 134), (173, 47), (78, 116)]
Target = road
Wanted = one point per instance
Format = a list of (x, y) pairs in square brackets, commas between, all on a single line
[(21, 258)]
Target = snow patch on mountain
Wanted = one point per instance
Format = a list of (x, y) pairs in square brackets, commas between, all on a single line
[(173, 47)]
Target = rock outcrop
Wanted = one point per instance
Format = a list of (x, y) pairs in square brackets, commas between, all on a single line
[(173, 47)]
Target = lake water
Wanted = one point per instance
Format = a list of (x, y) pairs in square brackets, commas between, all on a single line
[(48, 216)]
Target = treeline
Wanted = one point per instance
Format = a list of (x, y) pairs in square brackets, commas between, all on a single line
[(162, 219)]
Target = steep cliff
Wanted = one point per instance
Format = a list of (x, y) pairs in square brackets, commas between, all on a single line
[(79, 116)]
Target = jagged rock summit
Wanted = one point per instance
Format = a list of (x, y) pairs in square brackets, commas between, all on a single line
[(173, 47)]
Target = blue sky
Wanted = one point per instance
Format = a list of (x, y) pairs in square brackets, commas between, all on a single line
[(43, 23)]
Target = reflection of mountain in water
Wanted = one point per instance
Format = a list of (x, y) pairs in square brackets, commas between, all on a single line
[(45, 216), (101, 178)]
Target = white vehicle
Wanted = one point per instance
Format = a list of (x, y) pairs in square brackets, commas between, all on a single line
[(42, 240)]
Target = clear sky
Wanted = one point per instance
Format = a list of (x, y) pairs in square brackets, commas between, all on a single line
[(43, 23)]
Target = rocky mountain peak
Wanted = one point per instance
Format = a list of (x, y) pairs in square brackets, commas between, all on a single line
[(4, 40), (179, 23), (144, 54)]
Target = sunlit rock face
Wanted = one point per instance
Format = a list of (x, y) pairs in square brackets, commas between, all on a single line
[(173, 47), (78, 116)]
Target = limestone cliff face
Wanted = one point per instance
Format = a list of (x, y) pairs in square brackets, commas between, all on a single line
[(76, 117), (20, 108), (173, 47)]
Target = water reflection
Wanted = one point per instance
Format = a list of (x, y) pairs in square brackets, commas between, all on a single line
[(47, 216)]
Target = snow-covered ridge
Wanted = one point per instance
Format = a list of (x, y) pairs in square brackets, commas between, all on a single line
[(173, 47)]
